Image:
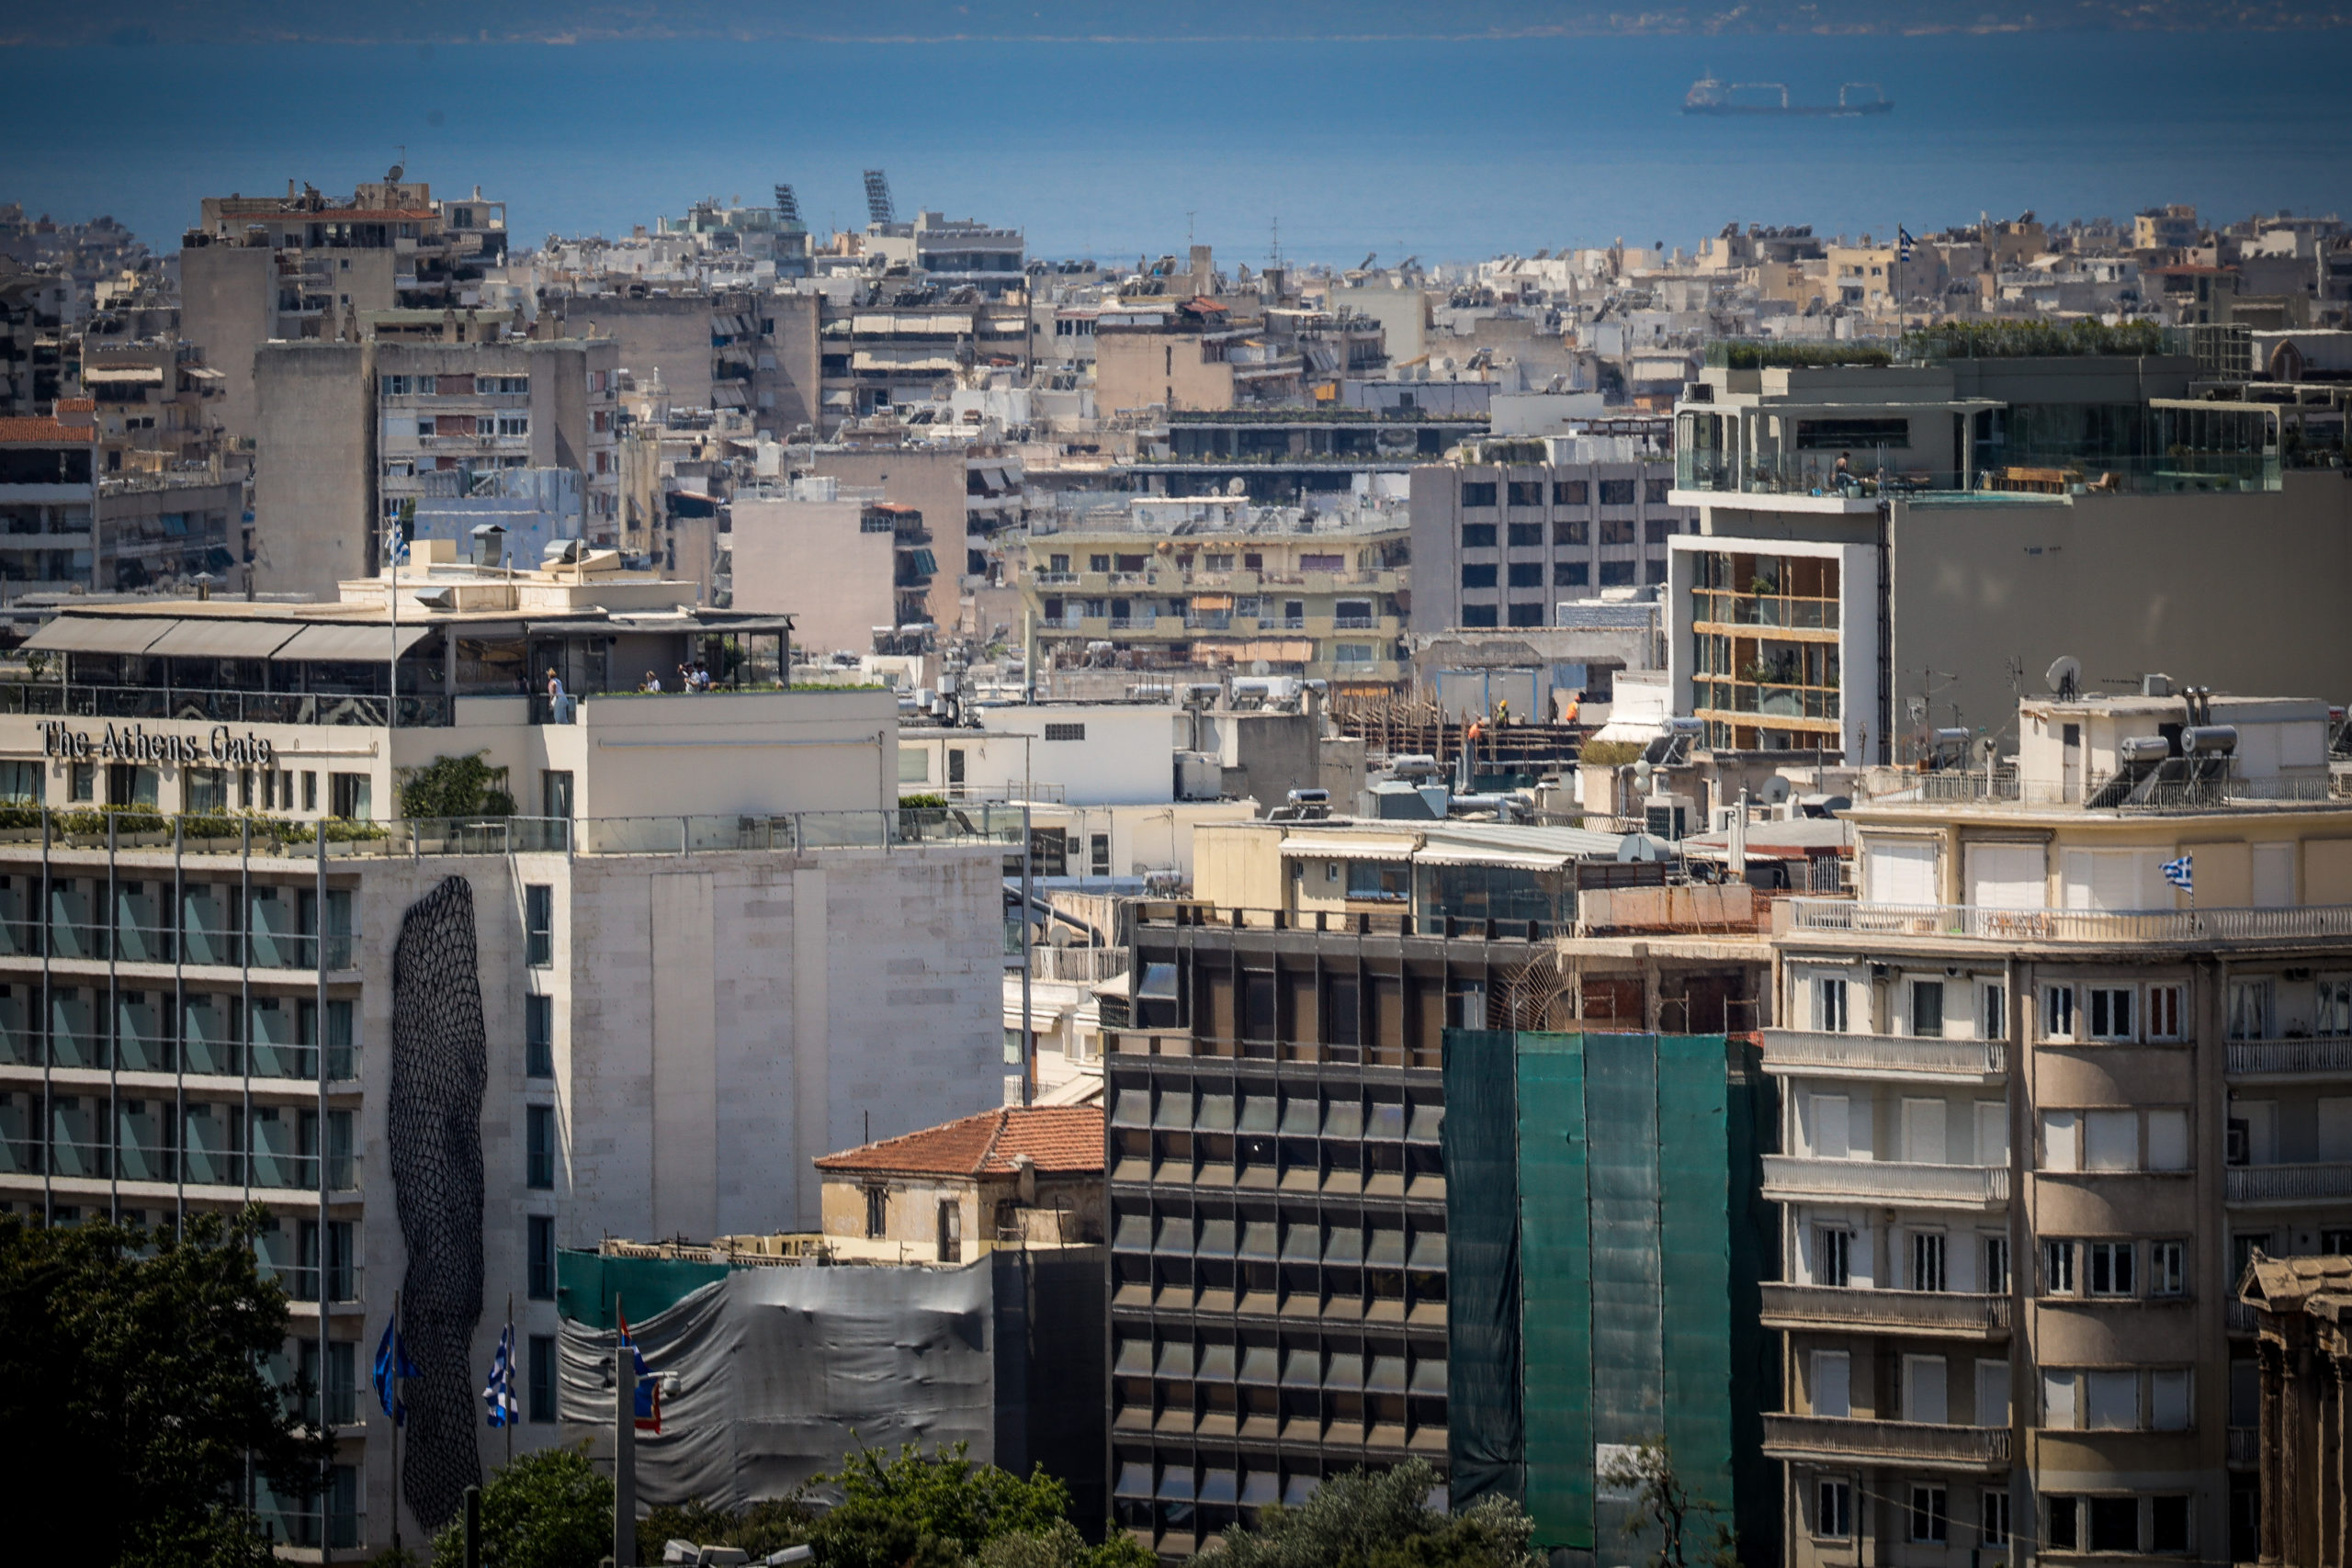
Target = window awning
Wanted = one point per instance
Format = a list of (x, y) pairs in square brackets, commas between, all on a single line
[(112, 375), (1316, 846), (362, 643), (97, 634), (224, 638), (1437, 854)]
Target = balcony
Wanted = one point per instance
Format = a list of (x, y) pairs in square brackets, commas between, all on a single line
[(1834, 1440), (2328, 1057), (2122, 928), (2000, 475), (1798, 1052), (1940, 1313), (1798, 1179), (2328, 1182), (221, 706)]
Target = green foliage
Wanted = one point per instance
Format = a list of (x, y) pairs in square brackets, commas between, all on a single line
[(758, 1529), (1063, 1547), (921, 802), (131, 1370), (455, 787), (1662, 1502), (550, 1510), (922, 1510), (1610, 753), (1751, 353), (1379, 1519), (2031, 339)]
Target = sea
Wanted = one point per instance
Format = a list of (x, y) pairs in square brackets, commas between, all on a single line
[(1309, 151)]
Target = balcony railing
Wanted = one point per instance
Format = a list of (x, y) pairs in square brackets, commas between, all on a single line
[(1080, 965), (417, 712), (1892, 1312), (1724, 607), (2120, 927), (2329, 1056), (91, 1047), (1791, 1177), (1833, 1439), (1882, 1055), (2005, 476), (2311, 1183)]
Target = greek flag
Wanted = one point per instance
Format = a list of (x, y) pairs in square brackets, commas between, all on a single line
[(2177, 872), (1902, 243), (499, 1392), (396, 543)]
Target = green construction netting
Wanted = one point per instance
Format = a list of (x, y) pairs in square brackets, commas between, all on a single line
[(1639, 1238), (587, 1284), (1482, 1265)]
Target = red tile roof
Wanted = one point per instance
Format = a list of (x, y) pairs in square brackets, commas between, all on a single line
[(1058, 1139), (77, 405), (44, 432)]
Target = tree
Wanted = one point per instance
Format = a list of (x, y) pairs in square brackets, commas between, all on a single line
[(939, 1509), (760, 1529), (1378, 1519), (549, 1509), (455, 786), (131, 1374), (1661, 1499)]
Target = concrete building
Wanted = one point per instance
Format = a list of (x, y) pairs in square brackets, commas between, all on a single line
[(1998, 513), (892, 345), (960, 252), (879, 562), (643, 1007), (258, 269), (1510, 531), (2041, 1103), (354, 434), (723, 348), (1015, 1175), (65, 526), (1216, 582)]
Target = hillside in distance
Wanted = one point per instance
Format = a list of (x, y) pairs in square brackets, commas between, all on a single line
[(133, 23)]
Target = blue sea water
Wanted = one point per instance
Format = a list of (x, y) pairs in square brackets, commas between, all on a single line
[(1450, 150)]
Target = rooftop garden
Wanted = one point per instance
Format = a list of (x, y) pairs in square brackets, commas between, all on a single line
[(2032, 339), (1752, 354)]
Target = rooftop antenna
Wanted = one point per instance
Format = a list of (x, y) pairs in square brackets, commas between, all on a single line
[(878, 207), (787, 205)]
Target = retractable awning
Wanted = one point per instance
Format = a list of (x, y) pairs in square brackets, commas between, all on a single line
[(360, 643), (1318, 846), (224, 638), (99, 634)]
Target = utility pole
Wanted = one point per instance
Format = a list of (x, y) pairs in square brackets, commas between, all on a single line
[(624, 1452)]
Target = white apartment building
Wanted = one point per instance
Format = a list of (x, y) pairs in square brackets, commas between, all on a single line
[(2039, 1105), (709, 949)]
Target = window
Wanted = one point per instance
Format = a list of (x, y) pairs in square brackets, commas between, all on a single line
[(2062, 1140), (1832, 1513), (1926, 1007), (1992, 1011), (1527, 574), (1478, 535), (539, 1249), (1572, 531), (538, 1166), (1927, 1260), (1995, 1279), (1617, 531), (2110, 1400), (1526, 492), (2114, 1524), (1570, 493), (2168, 1399), (2167, 1139), (1616, 492), (878, 1212), (2169, 1524), (82, 781), (1993, 1517), (1929, 1524), (539, 1037), (2163, 1012), (1617, 574), (2110, 1009), (513, 425), (1833, 1253), (1098, 854), (2065, 1530), (2250, 1010), (1526, 613), (1388, 881), (349, 797), (555, 794), (2111, 1140), (2167, 1267), (1654, 491), (2058, 1013), (1477, 576), (2057, 1268), (1098, 563), (542, 1377), (1482, 614), (1479, 492), (1832, 1383), (2111, 1267), (538, 925), (1829, 1006), (1065, 732), (1571, 574)]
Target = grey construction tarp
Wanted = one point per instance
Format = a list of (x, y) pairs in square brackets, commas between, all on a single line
[(766, 1372)]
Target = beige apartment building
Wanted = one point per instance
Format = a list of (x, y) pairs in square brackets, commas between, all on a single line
[(1214, 581), (2040, 1104)]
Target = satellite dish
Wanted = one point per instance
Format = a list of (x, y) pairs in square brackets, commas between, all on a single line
[(393, 176), (2065, 676), (1260, 667), (1776, 791)]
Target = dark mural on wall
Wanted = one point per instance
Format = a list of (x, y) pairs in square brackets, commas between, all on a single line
[(440, 1069)]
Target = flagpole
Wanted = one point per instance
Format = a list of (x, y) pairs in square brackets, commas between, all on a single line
[(396, 1422), (510, 1375), (624, 1444)]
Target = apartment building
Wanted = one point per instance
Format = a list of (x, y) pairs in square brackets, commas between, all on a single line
[(1275, 454), (259, 269), (1216, 581), (719, 348), (959, 253), (1511, 530), (66, 526), (895, 344), (352, 435), (153, 405), (1992, 515), (231, 972), (1283, 1217), (2073, 1054), (879, 561)]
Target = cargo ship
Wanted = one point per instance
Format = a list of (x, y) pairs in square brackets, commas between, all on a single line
[(1708, 95)]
